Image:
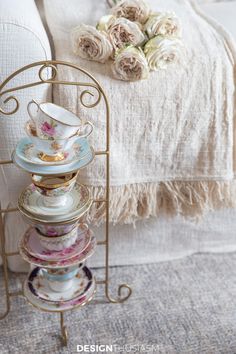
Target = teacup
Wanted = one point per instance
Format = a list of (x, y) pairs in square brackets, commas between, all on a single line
[(54, 189), (55, 122), (52, 229), (50, 150), (58, 243), (60, 280)]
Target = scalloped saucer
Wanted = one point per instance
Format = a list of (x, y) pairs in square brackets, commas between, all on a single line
[(26, 151), (80, 258), (34, 202), (39, 286), (31, 244), (58, 219), (45, 169), (59, 306)]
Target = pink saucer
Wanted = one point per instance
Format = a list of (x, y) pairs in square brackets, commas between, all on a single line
[(31, 244), (62, 263)]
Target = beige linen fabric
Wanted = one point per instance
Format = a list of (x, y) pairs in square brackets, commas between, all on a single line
[(172, 143)]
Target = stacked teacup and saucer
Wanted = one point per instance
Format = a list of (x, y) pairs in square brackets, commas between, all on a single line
[(57, 242)]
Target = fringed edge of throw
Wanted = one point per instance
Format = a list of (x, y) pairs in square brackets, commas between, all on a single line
[(191, 199)]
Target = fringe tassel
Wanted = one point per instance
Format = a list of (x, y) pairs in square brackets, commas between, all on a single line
[(129, 203)]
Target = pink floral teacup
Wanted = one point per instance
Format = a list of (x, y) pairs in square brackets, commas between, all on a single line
[(52, 229), (58, 243), (50, 150), (53, 122)]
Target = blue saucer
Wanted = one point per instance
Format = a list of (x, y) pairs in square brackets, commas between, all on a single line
[(81, 160)]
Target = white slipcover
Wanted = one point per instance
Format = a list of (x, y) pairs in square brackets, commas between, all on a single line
[(22, 40)]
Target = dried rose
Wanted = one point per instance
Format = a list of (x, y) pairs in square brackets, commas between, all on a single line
[(123, 32), (166, 24), (161, 51), (130, 64), (91, 44), (105, 22), (133, 10)]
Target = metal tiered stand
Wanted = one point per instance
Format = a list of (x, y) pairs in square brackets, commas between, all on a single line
[(7, 96)]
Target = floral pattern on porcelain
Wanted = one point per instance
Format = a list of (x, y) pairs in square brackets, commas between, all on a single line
[(27, 150), (87, 252), (36, 204), (62, 249), (62, 305), (62, 271), (40, 288), (69, 274), (48, 129), (59, 243), (59, 230), (31, 244), (55, 192)]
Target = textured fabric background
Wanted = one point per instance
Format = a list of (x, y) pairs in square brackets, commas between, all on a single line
[(178, 124), (185, 306), (175, 126)]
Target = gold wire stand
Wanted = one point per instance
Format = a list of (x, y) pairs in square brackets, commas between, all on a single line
[(44, 68)]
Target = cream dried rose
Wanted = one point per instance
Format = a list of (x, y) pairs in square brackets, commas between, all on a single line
[(130, 64), (89, 43), (105, 22), (133, 10), (123, 32), (161, 51), (166, 24)]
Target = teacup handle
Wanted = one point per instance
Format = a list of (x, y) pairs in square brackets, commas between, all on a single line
[(89, 127), (29, 109)]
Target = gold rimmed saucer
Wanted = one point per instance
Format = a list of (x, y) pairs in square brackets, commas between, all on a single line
[(37, 204), (63, 220), (58, 168)]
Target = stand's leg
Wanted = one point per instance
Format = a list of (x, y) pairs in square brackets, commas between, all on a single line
[(4, 262), (122, 286), (64, 333)]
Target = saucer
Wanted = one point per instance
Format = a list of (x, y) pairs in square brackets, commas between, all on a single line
[(59, 306), (56, 170), (31, 244), (39, 286), (75, 200), (27, 152), (55, 220), (86, 253)]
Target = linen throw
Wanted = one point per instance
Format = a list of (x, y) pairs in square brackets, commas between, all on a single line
[(172, 135)]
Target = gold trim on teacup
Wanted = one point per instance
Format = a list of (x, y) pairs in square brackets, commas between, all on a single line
[(47, 218), (66, 180)]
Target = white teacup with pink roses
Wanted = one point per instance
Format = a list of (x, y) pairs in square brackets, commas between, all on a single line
[(53, 122)]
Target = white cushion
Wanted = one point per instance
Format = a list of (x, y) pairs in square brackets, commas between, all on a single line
[(23, 40)]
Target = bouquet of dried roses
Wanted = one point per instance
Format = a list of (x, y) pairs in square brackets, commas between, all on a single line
[(135, 39)]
